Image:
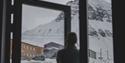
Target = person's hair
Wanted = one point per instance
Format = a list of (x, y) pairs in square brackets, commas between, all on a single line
[(71, 38)]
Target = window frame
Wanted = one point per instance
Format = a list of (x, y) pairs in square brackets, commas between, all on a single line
[(16, 56)]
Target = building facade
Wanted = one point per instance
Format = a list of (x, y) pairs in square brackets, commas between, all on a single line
[(29, 51)]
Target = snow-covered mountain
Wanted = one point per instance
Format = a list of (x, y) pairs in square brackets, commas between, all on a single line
[(100, 3), (99, 10), (55, 27), (53, 31)]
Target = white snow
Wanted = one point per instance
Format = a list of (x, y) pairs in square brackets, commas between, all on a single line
[(47, 60), (101, 43), (38, 61)]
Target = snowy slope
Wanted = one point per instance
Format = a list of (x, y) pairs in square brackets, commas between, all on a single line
[(54, 27), (43, 34), (100, 3), (54, 30), (100, 31)]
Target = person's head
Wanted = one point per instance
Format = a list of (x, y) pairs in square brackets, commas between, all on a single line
[(71, 39)]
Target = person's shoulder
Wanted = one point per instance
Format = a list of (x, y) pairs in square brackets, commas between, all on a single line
[(77, 50), (61, 50)]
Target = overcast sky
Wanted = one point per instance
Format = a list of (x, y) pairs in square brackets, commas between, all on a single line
[(34, 16)]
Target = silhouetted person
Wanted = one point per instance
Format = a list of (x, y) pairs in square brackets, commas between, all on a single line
[(69, 54)]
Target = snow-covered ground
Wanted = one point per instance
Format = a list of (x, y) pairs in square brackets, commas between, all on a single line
[(46, 61), (33, 61)]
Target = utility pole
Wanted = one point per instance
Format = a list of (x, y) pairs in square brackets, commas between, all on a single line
[(100, 55), (108, 59)]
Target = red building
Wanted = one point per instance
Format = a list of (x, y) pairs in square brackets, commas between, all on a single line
[(29, 51)]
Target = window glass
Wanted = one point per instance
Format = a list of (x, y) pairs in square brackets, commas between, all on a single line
[(64, 2), (100, 38), (75, 19), (42, 33), (75, 15)]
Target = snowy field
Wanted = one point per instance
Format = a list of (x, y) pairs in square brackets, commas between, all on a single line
[(33, 61)]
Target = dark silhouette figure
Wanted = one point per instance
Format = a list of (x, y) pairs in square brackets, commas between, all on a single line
[(69, 54)]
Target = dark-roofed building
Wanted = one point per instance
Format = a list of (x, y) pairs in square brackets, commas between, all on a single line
[(52, 44), (51, 49)]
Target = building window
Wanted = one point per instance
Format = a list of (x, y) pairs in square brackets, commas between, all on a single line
[(27, 47), (33, 49)]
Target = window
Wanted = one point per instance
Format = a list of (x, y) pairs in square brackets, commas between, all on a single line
[(42, 25), (35, 16), (100, 39), (33, 49)]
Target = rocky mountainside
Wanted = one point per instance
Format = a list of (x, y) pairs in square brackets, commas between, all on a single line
[(99, 10)]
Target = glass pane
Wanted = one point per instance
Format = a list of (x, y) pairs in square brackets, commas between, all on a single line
[(100, 39), (75, 19), (42, 34), (64, 2)]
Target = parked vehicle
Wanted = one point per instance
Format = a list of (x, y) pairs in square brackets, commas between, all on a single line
[(42, 58)]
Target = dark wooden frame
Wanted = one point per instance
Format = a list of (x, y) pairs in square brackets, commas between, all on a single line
[(16, 56)]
